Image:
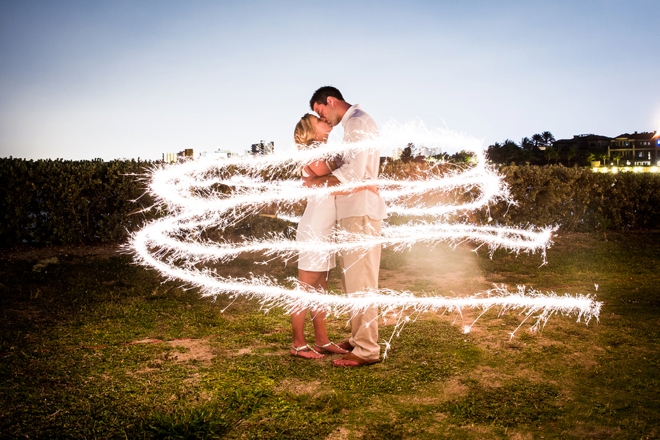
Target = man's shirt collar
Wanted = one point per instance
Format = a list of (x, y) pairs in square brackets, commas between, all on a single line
[(352, 109)]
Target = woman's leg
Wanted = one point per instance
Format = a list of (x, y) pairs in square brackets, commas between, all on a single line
[(319, 281), (298, 323)]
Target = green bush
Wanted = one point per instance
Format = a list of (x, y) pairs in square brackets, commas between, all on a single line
[(50, 202), (577, 199)]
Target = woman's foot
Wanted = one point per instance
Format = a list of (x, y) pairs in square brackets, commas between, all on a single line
[(330, 348), (305, 352)]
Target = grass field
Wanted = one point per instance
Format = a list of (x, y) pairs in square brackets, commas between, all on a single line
[(93, 346)]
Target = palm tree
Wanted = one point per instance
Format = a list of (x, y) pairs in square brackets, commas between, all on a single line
[(526, 143), (537, 140), (548, 138), (495, 152), (510, 150)]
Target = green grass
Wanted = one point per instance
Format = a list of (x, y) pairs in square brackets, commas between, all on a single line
[(97, 347)]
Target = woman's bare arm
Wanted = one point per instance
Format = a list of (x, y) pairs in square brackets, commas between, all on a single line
[(320, 168)]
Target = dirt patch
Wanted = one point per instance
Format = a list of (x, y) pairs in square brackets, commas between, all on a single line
[(187, 350), (489, 376), (597, 432), (299, 387), (438, 393), (340, 433), (254, 349), (454, 388), (195, 350), (194, 379)]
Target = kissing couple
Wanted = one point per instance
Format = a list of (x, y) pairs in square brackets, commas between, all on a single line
[(359, 211)]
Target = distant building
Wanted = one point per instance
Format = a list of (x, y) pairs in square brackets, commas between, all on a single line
[(263, 148), (436, 151), (175, 157), (641, 149), (217, 154), (584, 143)]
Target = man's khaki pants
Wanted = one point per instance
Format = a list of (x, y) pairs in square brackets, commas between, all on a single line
[(359, 274)]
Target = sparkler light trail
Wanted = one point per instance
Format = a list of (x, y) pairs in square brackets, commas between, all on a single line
[(433, 208)]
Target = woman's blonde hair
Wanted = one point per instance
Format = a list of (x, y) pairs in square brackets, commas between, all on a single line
[(304, 133)]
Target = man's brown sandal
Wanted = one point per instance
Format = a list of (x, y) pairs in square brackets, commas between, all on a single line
[(353, 361), (324, 348)]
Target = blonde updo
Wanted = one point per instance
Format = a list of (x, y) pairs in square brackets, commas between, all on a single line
[(304, 133)]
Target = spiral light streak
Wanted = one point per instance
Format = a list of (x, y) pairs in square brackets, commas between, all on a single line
[(160, 236), (263, 288), (203, 194)]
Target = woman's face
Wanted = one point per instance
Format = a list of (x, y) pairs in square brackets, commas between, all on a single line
[(322, 129)]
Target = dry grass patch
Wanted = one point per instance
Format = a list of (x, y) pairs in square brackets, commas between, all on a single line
[(300, 387), (340, 433), (194, 350)]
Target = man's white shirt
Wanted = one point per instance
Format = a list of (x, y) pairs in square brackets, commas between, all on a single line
[(360, 166)]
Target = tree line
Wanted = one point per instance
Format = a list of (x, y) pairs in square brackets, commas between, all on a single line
[(539, 149), (412, 154)]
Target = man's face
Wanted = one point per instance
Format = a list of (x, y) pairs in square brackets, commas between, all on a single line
[(329, 112)]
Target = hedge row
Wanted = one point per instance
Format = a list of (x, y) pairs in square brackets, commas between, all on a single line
[(578, 199), (49, 202)]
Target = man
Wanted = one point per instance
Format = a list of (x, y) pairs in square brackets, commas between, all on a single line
[(360, 212)]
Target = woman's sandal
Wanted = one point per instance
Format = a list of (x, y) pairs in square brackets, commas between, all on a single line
[(305, 348), (324, 349)]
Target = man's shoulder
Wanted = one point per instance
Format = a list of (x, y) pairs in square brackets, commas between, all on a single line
[(360, 118), (358, 113)]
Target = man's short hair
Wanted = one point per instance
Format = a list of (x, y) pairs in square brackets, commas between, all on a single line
[(322, 94)]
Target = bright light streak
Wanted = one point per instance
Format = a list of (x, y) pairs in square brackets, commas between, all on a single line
[(203, 194)]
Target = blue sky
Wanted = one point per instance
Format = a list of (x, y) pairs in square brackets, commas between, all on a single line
[(114, 79)]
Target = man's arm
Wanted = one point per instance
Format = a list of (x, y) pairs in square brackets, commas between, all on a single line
[(327, 180)]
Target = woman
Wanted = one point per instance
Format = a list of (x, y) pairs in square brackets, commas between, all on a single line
[(317, 222)]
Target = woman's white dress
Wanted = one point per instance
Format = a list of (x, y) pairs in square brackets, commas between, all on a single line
[(317, 224)]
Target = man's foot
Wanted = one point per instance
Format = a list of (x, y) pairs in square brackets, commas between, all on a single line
[(330, 348), (345, 345), (353, 360), (305, 352)]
